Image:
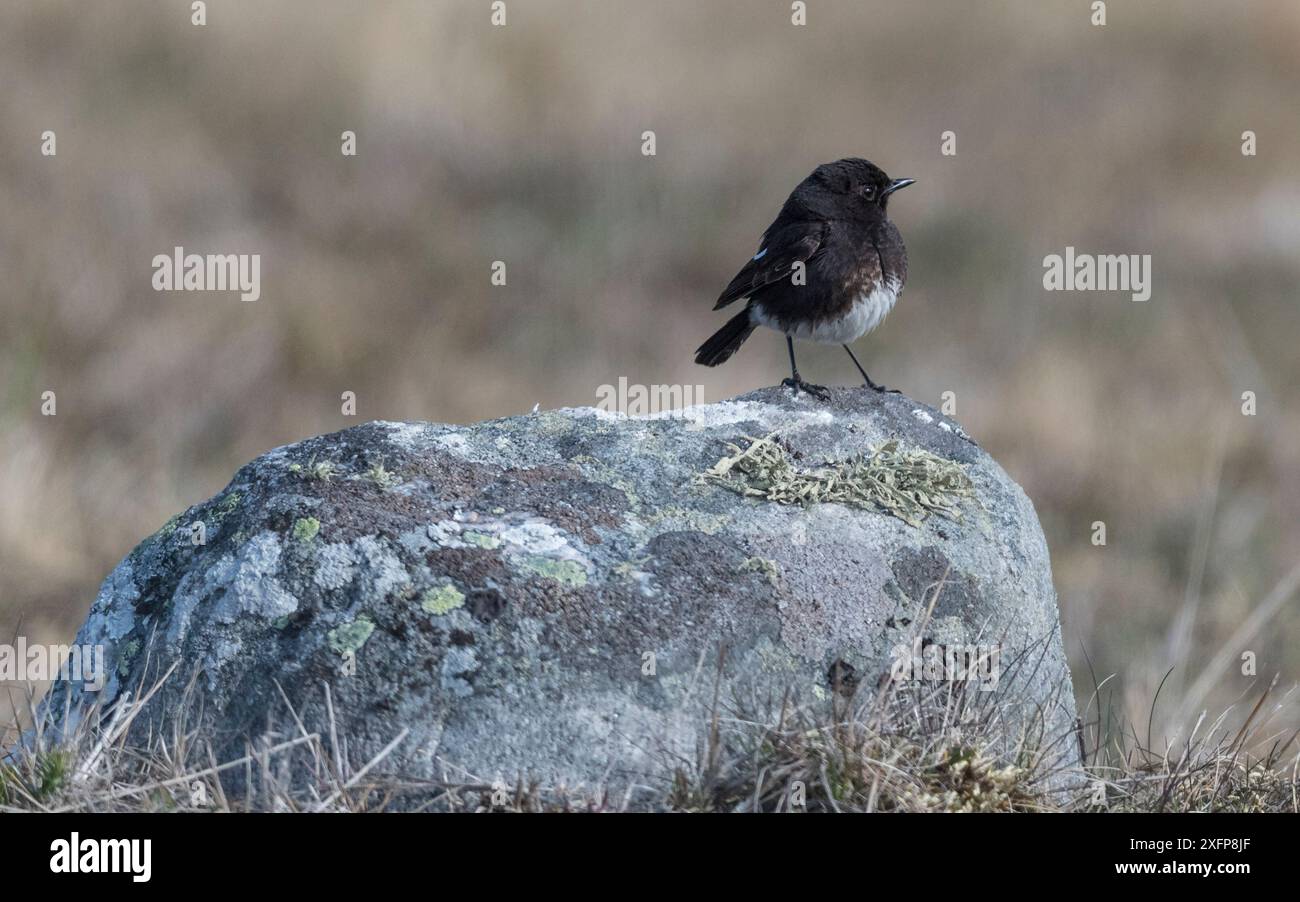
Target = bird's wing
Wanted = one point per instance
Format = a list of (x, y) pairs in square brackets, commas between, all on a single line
[(797, 242)]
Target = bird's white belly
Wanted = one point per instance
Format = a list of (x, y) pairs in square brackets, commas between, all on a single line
[(867, 312)]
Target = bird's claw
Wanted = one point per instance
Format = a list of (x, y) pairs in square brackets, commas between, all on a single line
[(820, 392)]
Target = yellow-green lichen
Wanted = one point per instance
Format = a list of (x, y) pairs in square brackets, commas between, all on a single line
[(349, 637), (909, 483), (481, 539), (169, 527), (570, 573), (305, 528), (680, 517), (227, 506), (130, 649), (762, 565), (598, 471), (775, 658), (628, 569), (442, 600), (554, 424)]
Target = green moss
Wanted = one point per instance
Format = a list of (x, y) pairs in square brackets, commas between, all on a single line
[(48, 772), (570, 573), (52, 772), (306, 528), (442, 600), (351, 636)]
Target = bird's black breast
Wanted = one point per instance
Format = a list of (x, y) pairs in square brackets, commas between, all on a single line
[(855, 258)]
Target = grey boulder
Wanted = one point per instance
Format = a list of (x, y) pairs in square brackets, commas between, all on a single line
[(571, 596)]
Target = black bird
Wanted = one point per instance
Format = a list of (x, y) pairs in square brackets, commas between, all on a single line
[(828, 268)]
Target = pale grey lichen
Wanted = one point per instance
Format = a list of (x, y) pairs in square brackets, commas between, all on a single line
[(335, 565), (242, 583), (384, 570), (458, 661)]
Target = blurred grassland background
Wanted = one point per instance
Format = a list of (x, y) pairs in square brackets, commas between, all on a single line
[(522, 144)]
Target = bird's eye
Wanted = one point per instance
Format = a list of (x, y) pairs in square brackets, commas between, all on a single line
[(869, 191)]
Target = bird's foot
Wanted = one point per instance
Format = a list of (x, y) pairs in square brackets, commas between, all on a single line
[(880, 388), (820, 392)]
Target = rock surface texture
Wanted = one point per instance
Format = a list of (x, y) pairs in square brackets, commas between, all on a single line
[(566, 596)]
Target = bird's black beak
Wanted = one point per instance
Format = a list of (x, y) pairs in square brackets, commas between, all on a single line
[(895, 185)]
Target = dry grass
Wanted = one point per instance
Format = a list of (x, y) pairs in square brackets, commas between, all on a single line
[(900, 745), (93, 767), (876, 753), (1219, 766), (523, 144)]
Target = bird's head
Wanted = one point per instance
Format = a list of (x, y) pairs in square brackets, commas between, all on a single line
[(857, 180)]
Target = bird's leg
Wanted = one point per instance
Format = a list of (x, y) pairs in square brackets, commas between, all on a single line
[(871, 385), (817, 391)]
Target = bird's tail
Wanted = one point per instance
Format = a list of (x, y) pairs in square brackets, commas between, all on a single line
[(726, 340)]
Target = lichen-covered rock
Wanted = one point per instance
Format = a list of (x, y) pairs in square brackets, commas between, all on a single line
[(567, 595)]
